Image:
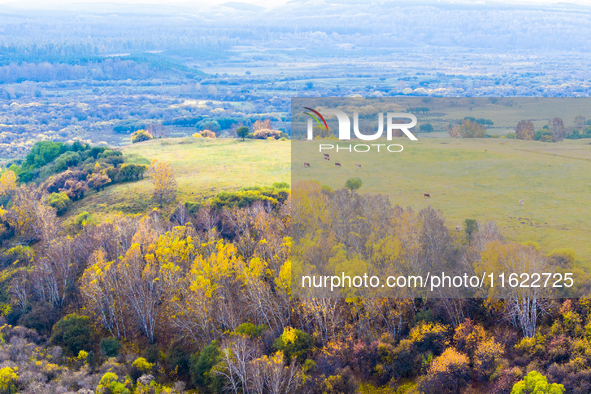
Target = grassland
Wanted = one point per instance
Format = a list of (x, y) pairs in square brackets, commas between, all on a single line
[(203, 168), (482, 179)]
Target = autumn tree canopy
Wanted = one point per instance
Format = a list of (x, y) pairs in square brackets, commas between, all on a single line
[(556, 126), (524, 130), (472, 129), (7, 182), (164, 182)]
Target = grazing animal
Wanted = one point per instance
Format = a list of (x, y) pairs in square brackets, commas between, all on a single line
[(306, 164), (326, 158), (521, 202), (459, 228), (426, 195), (358, 165), (337, 164), (326, 155)]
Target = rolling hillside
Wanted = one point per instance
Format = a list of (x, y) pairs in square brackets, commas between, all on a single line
[(203, 167), (482, 179)]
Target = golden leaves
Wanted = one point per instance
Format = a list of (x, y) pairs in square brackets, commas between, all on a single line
[(7, 182), (164, 181)]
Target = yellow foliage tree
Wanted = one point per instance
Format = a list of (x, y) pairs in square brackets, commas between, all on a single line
[(8, 378), (7, 182), (448, 373), (164, 182), (487, 357), (143, 365), (103, 292)]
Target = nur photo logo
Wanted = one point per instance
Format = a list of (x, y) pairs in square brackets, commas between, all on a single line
[(345, 124)]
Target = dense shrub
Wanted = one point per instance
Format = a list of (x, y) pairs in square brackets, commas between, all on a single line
[(98, 181), (59, 201), (110, 347), (535, 382), (341, 383), (201, 365), (67, 160), (140, 136), (207, 134), (44, 152), (426, 128), (74, 333), (263, 134), (177, 360), (576, 134), (83, 219), (294, 343), (40, 317), (544, 135), (106, 153), (65, 181), (192, 206), (152, 353), (110, 384), (250, 330), (47, 158), (128, 172), (532, 347), (248, 195), (111, 172)]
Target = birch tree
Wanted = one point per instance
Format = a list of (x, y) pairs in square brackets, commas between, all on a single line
[(164, 182)]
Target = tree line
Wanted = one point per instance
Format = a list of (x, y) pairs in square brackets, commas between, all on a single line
[(209, 297)]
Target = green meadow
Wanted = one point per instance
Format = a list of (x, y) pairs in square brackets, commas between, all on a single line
[(483, 179), (203, 168)]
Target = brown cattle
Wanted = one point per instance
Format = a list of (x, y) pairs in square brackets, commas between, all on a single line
[(426, 195), (326, 158), (326, 155), (306, 164), (358, 165), (458, 228), (337, 164)]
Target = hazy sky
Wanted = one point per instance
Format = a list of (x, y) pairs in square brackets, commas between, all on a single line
[(49, 4)]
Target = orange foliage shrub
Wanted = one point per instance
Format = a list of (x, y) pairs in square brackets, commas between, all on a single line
[(263, 134), (207, 134)]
